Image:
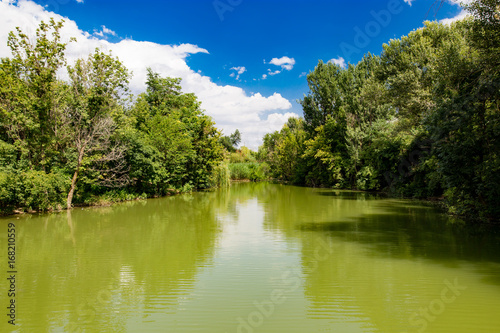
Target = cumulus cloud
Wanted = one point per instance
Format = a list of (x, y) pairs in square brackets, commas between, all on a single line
[(231, 107), (339, 61), (104, 31), (463, 14), (284, 62), (257, 129), (239, 70)]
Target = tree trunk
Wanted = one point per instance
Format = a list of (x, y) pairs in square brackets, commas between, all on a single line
[(74, 179)]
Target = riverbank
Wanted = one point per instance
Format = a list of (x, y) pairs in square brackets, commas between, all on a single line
[(105, 200)]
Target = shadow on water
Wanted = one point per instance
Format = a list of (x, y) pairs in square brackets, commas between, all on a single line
[(351, 195), (406, 229)]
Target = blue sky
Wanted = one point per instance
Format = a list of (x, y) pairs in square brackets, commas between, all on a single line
[(245, 59)]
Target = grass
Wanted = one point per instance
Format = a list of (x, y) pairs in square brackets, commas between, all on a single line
[(248, 171)]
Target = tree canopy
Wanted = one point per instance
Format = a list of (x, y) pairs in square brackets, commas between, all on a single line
[(421, 119), (85, 139)]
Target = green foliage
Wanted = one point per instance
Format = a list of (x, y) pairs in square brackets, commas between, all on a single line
[(231, 142), (31, 98), (248, 171), (283, 151), (242, 155), (86, 139), (420, 120), (32, 190), (221, 176), (171, 143)]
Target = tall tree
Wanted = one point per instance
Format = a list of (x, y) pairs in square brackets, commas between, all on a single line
[(31, 97), (97, 85)]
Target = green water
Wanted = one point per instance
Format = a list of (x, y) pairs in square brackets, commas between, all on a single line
[(254, 258)]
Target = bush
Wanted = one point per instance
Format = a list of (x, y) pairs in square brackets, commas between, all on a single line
[(112, 196), (244, 155), (32, 190), (250, 171)]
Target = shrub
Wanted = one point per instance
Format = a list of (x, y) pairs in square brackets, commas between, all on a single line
[(251, 171), (32, 190)]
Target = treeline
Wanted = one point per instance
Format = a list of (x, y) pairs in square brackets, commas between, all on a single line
[(86, 139), (420, 120)]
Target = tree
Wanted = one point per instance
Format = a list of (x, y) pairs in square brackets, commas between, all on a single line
[(173, 145), (235, 138), (466, 124), (31, 97), (325, 97), (283, 151), (97, 85), (232, 141)]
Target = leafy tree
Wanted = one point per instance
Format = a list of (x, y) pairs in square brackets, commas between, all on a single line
[(466, 123), (325, 97), (283, 151), (173, 145), (232, 141), (31, 97), (97, 84), (235, 138), (420, 120)]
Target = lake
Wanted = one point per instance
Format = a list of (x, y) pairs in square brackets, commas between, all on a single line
[(256, 257)]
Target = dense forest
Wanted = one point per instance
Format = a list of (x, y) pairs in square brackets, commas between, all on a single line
[(420, 120), (86, 140)]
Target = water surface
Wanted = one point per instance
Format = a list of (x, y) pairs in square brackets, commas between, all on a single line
[(254, 258)]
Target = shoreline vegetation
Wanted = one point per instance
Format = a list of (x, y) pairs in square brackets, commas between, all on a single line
[(87, 140), (421, 120)]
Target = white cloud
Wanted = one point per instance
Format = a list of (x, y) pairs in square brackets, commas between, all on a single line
[(79, 1), (264, 76), (461, 2), (231, 107), (463, 14), (239, 70), (339, 61), (454, 2), (302, 74), (285, 62), (254, 130), (104, 31), (270, 72)]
